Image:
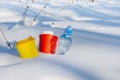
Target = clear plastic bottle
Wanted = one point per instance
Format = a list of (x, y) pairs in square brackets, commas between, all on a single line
[(64, 41)]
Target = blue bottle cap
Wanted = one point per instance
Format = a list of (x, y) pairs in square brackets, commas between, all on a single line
[(68, 31)]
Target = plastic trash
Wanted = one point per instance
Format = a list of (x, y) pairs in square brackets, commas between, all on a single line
[(27, 48), (64, 41), (48, 42)]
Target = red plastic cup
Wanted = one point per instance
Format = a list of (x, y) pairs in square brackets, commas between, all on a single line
[(48, 42)]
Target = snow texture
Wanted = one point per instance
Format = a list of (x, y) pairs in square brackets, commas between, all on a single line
[(95, 50)]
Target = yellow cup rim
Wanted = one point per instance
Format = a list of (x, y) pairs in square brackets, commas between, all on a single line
[(25, 40)]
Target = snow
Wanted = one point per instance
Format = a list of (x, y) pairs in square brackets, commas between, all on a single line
[(95, 50)]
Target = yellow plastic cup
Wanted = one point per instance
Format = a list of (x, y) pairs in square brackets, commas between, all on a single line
[(27, 48)]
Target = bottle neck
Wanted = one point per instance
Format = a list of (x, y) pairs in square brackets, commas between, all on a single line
[(65, 35)]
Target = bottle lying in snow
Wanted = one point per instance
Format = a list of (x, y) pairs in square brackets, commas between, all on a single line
[(64, 41)]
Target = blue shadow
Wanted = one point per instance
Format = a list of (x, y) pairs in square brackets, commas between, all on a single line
[(75, 71)]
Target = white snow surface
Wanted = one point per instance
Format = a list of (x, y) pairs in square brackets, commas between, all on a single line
[(95, 50)]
